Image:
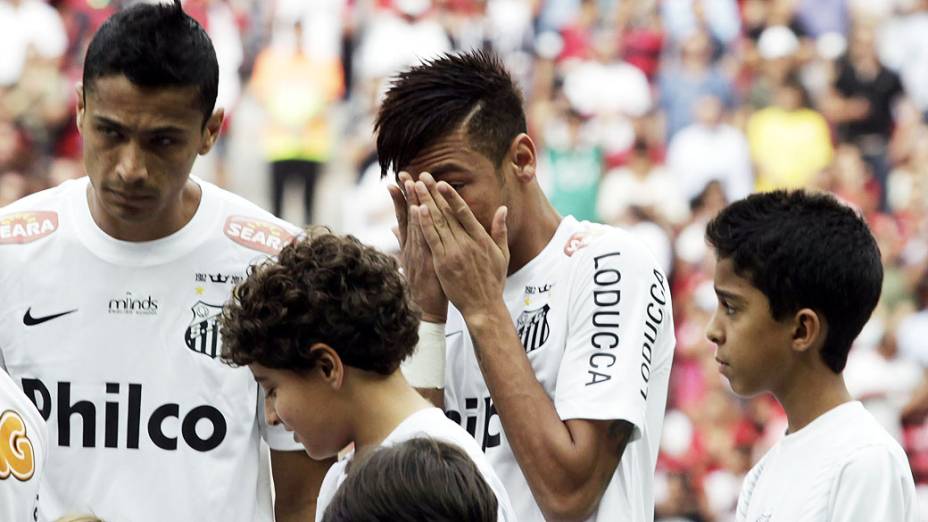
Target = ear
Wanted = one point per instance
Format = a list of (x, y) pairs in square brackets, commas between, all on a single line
[(523, 157), (809, 330), (211, 131), (79, 90), (328, 365)]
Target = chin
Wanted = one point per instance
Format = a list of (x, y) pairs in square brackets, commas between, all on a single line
[(742, 389), (317, 453)]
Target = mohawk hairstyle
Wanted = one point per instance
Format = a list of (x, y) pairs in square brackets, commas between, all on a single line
[(155, 45), (430, 101)]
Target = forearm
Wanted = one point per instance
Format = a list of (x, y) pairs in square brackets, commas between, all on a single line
[(559, 471)]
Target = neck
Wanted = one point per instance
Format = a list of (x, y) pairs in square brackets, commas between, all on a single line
[(539, 221), (381, 404), (814, 389), (166, 223)]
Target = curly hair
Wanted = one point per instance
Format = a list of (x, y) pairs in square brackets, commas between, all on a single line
[(323, 288)]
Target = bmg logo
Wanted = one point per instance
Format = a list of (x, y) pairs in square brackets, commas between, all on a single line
[(17, 458), (86, 411)]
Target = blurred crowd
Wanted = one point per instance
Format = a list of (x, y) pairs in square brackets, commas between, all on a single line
[(647, 114)]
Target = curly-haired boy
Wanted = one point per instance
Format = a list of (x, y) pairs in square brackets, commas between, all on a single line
[(324, 328)]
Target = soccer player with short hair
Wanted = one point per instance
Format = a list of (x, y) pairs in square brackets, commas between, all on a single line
[(560, 333), (112, 288), (419, 479), (324, 328), (797, 277)]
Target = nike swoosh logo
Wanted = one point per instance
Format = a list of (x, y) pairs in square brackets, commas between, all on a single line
[(453, 333), (29, 320)]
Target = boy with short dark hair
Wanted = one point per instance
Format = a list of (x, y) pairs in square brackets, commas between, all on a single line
[(324, 328), (797, 277), (420, 479)]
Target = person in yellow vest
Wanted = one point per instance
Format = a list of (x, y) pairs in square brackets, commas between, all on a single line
[(296, 89), (790, 142)]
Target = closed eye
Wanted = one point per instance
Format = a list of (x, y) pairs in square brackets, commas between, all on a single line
[(109, 132), (164, 141), (729, 309)]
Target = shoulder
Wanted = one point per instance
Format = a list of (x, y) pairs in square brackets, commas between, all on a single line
[(595, 247), (45, 198), (870, 447), (875, 462), (18, 414), (250, 226), (35, 216)]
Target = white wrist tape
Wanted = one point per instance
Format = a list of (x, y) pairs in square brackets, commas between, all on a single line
[(425, 368)]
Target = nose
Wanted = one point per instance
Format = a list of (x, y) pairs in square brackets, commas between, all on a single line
[(714, 331), (131, 168), (270, 413)]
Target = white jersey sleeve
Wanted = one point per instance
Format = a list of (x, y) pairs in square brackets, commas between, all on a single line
[(620, 328), (277, 437), (871, 487), (23, 449)]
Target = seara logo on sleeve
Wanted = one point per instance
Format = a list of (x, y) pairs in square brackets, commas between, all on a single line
[(16, 454), (257, 234), (20, 228)]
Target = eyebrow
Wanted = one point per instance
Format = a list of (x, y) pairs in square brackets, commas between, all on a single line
[(164, 129), (728, 296), (445, 169)]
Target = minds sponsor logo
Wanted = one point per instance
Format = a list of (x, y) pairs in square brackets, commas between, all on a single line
[(133, 305)]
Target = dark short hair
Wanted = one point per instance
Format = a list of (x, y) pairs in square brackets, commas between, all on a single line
[(431, 101), (805, 250), (322, 288), (155, 45), (419, 479)]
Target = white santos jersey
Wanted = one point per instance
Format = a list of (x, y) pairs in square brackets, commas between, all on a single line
[(841, 467), (430, 423), (594, 316), (117, 345), (23, 446)]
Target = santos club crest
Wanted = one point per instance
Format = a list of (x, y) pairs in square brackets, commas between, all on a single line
[(533, 328), (202, 336)]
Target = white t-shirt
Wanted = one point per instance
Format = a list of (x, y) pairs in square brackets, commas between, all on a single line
[(431, 423), (842, 467), (621, 189), (593, 312), (116, 343), (698, 155), (23, 444)]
